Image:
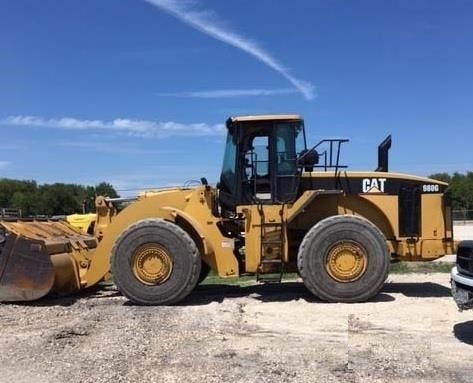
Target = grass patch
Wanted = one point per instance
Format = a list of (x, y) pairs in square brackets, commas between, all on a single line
[(395, 268), (214, 279), (420, 267)]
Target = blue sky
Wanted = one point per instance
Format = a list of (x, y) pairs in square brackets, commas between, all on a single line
[(136, 92)]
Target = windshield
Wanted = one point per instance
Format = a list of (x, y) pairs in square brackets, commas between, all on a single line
[(229, 164)]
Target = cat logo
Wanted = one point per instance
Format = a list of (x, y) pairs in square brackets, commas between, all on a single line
[(373, 185)]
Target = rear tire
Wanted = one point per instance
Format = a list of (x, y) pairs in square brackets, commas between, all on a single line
[(344, 259), (155, 262)]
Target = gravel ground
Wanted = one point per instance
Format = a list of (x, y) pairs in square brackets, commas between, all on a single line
[(411, 332)]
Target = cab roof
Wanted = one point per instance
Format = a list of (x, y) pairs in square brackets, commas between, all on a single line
[(264, 117)]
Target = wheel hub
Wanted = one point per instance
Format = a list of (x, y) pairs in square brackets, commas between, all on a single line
[(152, 264), (346, 261)]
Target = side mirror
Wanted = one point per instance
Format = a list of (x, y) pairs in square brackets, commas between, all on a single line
[(308, 158)]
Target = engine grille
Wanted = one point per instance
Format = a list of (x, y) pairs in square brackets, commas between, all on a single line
[(465, 257)]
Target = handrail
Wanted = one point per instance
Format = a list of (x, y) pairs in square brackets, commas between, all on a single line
[(331, 155)]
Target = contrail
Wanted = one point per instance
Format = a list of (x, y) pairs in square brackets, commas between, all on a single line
[(219, 93), (205, 22)]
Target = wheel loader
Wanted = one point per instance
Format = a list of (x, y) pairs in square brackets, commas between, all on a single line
[(280, 206)]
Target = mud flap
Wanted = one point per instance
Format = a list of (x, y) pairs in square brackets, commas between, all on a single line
[(26, 270)]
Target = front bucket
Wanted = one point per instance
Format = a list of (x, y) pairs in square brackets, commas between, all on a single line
[(26, 270)]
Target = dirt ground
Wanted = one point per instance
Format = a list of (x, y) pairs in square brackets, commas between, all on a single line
[(411, 332)]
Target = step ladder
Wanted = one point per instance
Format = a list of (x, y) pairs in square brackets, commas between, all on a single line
[(271, 267)]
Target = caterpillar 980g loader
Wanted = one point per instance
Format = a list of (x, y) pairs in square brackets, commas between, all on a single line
[(279, 207)]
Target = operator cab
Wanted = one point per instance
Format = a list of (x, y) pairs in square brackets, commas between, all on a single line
[(262, 160)]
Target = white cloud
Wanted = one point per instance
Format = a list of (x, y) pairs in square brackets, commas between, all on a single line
[(221, 93), (4, 164), (144, 128), (206, 22)]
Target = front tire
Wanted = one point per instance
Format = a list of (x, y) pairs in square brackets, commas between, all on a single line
[(204, 272), (344, 259), (155, 262)]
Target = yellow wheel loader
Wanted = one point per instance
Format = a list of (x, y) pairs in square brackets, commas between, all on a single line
[(280, 206), (84, 222)]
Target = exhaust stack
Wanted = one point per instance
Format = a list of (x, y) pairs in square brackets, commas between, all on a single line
[(383, 156)]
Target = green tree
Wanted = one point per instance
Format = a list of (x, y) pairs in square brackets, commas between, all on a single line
[(105, 189), (50, 199), (9, 187), (461, 188), (25, 201), (91, 192), (58, 199), (445, 177)]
